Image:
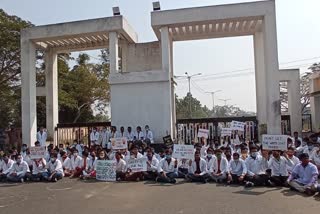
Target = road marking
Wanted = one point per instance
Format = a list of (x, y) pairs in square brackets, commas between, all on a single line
[(63, 189)]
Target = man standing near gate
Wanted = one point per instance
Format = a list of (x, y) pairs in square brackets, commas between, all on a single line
[(42, 137)]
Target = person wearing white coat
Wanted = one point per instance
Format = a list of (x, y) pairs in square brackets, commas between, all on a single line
[(197, 171), (5, 166), (167, 168), (42, 137), (94, 137), (152, 166), (148, 135), (219, 168), (18, 170), (237, 169)]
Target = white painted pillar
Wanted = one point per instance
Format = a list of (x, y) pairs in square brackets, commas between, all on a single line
[(114, 52), (28, 92), (260, 76), (272, 70), (294, 102), (52, 113), (166, 46), (124, 53)]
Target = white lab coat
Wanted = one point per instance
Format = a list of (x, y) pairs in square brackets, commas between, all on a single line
[(139, 135), (238, 167), (256, 166), (130, 136), (165, 167), (279, 167), (75, 162), (20, 169), (6, 167), (203, 167), (56, 166), (94, 137), (210, 162), (39, 166), (149, 135), (153, 164), (66, 164), (42, 138), (121, 166), (224, 167)]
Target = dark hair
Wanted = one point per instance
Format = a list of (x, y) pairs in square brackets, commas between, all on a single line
[(54, 154), (217, 151), (303, 156), (85, 153), (291, 148)]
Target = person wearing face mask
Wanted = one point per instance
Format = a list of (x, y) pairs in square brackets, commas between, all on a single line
[(5, 166), (55, 169), (309, 149), (90, 170), (139, 136), (256, 168), (279, 168), (228, 153), (18, 170), (219, 168), (237, 170), (105, 134), (66, 163), (94, 137), (167, 168), (161, 154), (120, 167), (293, 158), (197, 171), (76, 161), (84, 166), (152, 165), (304, 177), (134, 176)]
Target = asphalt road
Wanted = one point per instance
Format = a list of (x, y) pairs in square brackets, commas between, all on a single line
[(77, 197)]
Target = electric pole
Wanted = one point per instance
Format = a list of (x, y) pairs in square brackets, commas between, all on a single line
[(225, 101), (212, 95)]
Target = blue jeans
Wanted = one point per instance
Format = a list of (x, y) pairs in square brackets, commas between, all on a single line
[(57, 175), (15, 178), (169, 178)]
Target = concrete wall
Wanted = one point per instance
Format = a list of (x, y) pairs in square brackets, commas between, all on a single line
[(315, 102), (143, 57), (140, 98)]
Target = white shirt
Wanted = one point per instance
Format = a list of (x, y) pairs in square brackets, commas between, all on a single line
[(315, 157), (115, 134), (210, 162), (256, 166), (165, 167), (203, 167), (122, 134), (203, 151), (6, 167), (20, 169), (149, 135), (39, 166), (279, 167), (139, 135), (56, 166), (223, 166), (42, 138), (153, 164), (105, 138), (94, 136), (130, 136), (75, 162), (295, 161), (238, 167), (121, 166), (66, 164), (91, 163)]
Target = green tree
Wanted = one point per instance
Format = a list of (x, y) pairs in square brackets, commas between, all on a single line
[(10, 70)]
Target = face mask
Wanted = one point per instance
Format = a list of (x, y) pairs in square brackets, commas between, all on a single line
[(254, 154), (168, 156), (209, 155), (75, 154), (19, 161), (24, 148), (52, 160), (236, 159), (101, 156)]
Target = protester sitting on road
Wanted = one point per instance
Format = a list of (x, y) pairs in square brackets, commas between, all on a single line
[(120, 166), (315, 157), (90, 170), (167, 168), (219, 168), (244, 153), (210, 158), (237, 170), (183, 168), (18, 170), (5, 166), (152, 165), (256, 169), (304, 177), (293, 158), (134, 176), (76, 161), (55, 169), (66, 163), (279, 168), (39, 169), (197, 169)]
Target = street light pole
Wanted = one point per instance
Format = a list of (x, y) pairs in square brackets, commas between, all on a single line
[(225, 101), (212, 95)]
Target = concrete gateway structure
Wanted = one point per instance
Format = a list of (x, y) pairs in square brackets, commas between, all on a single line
[(142, 85)]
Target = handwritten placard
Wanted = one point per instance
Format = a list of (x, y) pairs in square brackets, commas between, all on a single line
[(236, 125), (203, 133), (183, 151), (37, 152), (106, 170), (137, 165), (274, 142), (119, 143), (226, 132)]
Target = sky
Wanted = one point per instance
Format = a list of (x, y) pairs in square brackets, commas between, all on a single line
[(226, 64)]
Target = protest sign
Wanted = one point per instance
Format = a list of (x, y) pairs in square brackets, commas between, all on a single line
[(203, 133), (274, 142), (226, 132), (167, 140), (137, 165), (37, 152), (119, 143), (235, 125), (106, 170), (183, 151)]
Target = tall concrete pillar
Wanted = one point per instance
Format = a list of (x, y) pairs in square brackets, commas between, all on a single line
[(261, 84), (166, 51), (114, 52), (271, 72), (315, 113), (52, 113), (28, 91), (124, 53), (294, 103)]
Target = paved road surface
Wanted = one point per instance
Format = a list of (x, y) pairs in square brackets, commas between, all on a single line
[(77, 197)]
